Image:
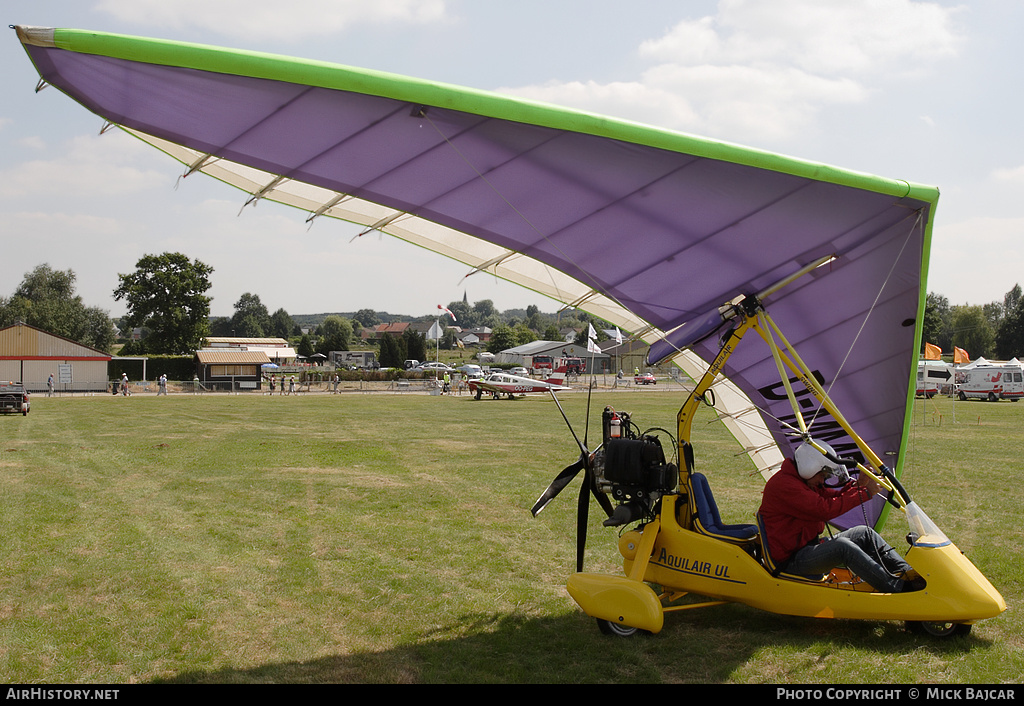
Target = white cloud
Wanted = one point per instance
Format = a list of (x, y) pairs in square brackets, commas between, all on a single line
[(818, 36), (263, 19), (89, 166), (759, 71), (1012, 175)]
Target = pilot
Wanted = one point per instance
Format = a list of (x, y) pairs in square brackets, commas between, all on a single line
[(795, 506)]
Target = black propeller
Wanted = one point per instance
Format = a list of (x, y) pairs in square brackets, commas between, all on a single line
[(589, 486)]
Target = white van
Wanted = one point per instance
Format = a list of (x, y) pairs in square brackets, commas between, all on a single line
[(984, 380)]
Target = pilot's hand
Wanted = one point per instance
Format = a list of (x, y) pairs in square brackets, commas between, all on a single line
[(868, 483)]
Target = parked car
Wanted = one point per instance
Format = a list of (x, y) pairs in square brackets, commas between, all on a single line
[(644, 379), (471, 371), (14, 398), (520, 371), (432, 367)]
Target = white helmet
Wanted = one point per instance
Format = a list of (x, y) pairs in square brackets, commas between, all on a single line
[(810, 462)]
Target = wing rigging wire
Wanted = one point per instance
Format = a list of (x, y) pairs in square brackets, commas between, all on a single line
[(914, 227)]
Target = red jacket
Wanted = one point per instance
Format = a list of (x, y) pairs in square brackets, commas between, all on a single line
[(794, 513)]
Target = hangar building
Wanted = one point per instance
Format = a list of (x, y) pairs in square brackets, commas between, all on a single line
[(30, 355)]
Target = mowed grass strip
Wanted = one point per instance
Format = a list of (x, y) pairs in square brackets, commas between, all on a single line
[(387, 538)]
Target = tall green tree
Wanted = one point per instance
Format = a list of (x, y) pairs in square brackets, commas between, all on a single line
[(1010, 335), (935, 329), (502, 338), (305, 348), (972, 331), (167, 294), (524, 334), (46, 299), (335, 334), (281, 324), (1012, 298), (389, 355), (415, 345), (251, 319)]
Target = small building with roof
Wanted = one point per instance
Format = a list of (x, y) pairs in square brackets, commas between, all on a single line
[(277, 349), (231, 369)]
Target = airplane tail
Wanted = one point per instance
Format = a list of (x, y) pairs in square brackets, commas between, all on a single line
[(557, 376)]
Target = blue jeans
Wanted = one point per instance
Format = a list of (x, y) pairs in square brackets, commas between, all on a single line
[(860, 549)]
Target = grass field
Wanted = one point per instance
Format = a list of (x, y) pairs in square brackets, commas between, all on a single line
[(387, 538)]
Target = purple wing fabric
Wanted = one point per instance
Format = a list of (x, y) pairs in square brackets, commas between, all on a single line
[(662, 235)]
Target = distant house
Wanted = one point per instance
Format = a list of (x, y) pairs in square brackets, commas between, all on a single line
[(478, 335), (422, 327), (568, 334), (373, 334), (30, 355)]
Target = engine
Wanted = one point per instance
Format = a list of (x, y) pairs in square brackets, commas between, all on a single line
[(631, 468)]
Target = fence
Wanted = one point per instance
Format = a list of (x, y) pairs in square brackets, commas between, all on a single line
[(315, 386)]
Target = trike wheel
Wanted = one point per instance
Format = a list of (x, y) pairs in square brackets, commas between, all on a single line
[(607, 627), (939, 628)]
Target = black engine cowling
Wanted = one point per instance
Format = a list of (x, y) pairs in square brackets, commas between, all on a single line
[(634, 472)]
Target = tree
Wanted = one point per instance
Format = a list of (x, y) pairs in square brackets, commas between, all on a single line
[(484, 314), (167, 294), (389, 355), (335, 334), (415, 345), (502, 338), (220, 326), (251, 319), (462, 311), (1012, 298), (305, 348), (1010, 336), (449, 340), (46, 299), (98, 330), (367, 318), (934, 328), (524, 334), (972, 331), (281, 324)]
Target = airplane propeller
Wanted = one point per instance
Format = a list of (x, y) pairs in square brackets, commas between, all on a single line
[(589, 486)]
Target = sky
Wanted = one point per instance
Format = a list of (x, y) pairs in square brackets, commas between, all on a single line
[(927, 92)]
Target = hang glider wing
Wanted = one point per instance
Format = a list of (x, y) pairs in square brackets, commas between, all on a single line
[(648, 229)]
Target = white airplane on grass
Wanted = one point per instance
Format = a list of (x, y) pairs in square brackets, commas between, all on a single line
[(498, 384)]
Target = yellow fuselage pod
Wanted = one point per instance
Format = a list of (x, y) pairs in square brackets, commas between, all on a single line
[(685, 561), (618, 600)]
